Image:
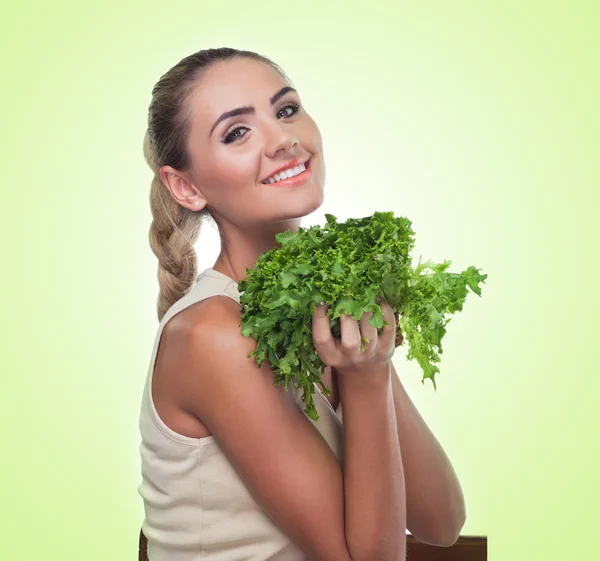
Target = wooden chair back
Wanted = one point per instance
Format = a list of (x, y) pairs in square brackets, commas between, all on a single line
[(467, 548)]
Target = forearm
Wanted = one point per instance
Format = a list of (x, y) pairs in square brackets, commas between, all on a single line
[(375, 500), (435, 507)]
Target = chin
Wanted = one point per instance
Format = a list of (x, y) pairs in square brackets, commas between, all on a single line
[(297, 210)]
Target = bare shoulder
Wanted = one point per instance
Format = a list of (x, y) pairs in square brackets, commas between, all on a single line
[(187, 332), (214, 328), (219, 310), (181, 330), (171, 376)]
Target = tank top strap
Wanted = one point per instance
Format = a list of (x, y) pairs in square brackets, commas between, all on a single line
[(213, 283), (208, 283)]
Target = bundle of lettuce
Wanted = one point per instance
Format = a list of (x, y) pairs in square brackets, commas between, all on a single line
[(348, 265)]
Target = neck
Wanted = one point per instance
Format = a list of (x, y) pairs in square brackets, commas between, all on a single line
[(241, 249)]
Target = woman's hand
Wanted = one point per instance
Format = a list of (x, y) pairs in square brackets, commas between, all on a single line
[(345, 354)]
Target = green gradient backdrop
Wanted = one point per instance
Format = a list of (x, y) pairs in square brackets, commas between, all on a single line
[(477, 122)]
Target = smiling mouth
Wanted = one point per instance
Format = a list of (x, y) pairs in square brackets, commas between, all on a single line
[(306, 168)]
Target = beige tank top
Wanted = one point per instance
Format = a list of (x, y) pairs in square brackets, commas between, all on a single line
[(196, 504)]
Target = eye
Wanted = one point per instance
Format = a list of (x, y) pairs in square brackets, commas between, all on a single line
[(294, 106), (230, 136)]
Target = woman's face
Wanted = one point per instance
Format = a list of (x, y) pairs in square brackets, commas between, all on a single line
[(233, 155)]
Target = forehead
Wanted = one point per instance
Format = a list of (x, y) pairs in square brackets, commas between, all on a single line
[(230, 84)]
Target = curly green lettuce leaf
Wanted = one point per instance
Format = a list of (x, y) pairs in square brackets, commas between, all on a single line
[(348, 265)]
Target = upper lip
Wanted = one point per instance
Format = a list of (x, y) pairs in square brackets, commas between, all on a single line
[(291, 164)]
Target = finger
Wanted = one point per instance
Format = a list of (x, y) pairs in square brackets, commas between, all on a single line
[(321, 333), (389, 331), (368, 331), (350, 334)]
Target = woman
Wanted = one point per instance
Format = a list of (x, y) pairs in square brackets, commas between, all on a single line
[(232, 468)]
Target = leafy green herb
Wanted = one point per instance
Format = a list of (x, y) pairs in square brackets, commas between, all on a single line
[(348, 265)]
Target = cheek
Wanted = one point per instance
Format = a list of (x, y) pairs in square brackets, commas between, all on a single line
[(316, 138), (316, 143), (237, 170)]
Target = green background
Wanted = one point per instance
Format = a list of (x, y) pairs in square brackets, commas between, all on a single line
[(477, 121)]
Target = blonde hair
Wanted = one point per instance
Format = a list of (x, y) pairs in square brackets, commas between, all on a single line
[(175, 228)]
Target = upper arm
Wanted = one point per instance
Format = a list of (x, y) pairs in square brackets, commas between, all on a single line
[(282, 458)]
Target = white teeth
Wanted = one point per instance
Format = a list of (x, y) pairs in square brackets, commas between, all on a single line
[(286, 173)]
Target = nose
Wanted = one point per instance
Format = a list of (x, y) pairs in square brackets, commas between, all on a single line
[(279, 136)]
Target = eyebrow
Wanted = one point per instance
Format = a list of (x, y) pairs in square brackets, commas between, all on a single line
[(249, 109)]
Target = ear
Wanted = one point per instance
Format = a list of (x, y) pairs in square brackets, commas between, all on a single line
[(181, 188)]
